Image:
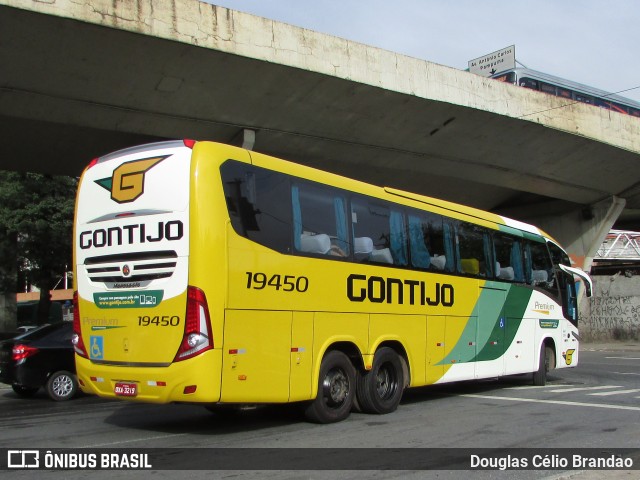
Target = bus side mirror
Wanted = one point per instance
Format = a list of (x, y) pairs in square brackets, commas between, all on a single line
[(588, 284)]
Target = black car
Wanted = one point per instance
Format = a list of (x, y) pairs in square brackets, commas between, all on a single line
[(43, 357)]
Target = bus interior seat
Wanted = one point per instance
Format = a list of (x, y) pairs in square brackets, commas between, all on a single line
[(320, 243), (539, 276), (506, 273), (362, 248), (439, 262), (470, 265), (382, 256)]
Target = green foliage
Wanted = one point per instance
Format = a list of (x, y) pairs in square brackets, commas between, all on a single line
[(36, 222)]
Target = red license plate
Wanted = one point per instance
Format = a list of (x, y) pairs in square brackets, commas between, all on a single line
[(126, 389)]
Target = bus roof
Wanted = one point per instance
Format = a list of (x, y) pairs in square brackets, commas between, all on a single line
[(562, 82)]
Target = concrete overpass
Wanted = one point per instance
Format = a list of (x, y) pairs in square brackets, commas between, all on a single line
[(79, 79)]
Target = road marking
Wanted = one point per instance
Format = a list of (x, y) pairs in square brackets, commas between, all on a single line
[(625, 373), (553, 402), (617, 392), (529, 387), (134, 440), (624, 358), (577, 389)]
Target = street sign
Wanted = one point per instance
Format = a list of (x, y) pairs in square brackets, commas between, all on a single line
[(495, 62)]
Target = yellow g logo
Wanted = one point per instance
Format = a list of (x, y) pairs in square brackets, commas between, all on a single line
[(568, 357), (127, 182)]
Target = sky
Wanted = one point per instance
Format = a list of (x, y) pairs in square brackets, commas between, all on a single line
[(594, 42)]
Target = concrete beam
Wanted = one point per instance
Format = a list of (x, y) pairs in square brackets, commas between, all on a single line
[(92, 76)]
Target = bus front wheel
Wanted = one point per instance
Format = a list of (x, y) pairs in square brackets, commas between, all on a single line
[(380, 389), (547, 362), (336, 389)]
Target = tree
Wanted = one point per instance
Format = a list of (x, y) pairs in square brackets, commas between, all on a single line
[(36, 221)]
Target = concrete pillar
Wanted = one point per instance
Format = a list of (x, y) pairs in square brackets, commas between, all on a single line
[(582, 231), (245, 138)]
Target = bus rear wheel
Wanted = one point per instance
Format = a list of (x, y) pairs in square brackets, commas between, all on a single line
[(336, 390), (380, 389), (547, 362)]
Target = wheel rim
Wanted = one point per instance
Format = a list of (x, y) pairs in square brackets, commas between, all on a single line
[(62, 386), (386, 382), (336, 387)]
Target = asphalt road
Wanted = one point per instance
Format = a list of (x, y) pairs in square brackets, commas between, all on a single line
[(596, 405)]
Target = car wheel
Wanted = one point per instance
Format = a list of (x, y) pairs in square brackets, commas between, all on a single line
[(24, 392), (62, 386)]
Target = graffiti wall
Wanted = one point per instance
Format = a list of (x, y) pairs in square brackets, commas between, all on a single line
[(613, 312)]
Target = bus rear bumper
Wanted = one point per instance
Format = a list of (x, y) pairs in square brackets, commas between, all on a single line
[(192, 380)]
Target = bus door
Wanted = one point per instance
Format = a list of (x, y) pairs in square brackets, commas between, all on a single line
[(490, 334), (435, 350)]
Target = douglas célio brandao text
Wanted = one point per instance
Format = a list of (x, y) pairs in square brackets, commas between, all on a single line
[(549, 461)]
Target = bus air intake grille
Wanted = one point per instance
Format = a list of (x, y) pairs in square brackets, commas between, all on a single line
[(131, 267)]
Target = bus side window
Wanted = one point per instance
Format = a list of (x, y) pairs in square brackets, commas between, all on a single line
[(528, 83), (382, 228), (508, 257), (547, 88), (566, 283), (542, 272), (319, 220), (473, 251), (426, 241), (580, 97), (619, 108), (563, 92), (259, 204)]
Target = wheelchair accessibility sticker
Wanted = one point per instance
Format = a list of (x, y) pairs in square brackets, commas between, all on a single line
[(96, 349)]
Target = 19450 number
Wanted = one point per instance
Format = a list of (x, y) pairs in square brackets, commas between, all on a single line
[(286, 283), (164, 321)]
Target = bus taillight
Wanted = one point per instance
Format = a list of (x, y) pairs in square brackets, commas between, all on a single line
[(93, 163), (76, 340), (197, 329)]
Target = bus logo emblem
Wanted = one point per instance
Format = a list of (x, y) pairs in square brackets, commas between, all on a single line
[(126, 271), (568, 356), (127, 182)]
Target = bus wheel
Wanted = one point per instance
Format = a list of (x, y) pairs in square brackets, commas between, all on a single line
[(547, 362), (380, 389), (336, 390)]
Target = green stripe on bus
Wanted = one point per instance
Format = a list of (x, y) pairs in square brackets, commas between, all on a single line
[(492, 326)]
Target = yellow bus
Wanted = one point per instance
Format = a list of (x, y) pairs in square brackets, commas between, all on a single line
[(209, 274)]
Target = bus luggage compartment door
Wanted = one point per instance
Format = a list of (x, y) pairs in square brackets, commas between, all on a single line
[(256, 356)]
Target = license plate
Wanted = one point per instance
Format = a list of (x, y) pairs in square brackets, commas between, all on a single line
[(126, 389)]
